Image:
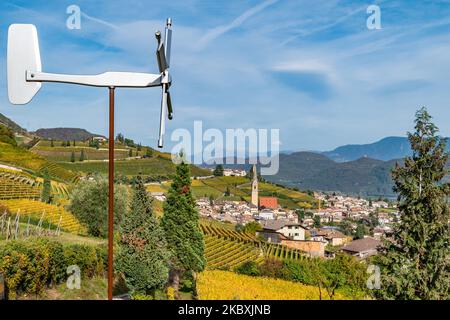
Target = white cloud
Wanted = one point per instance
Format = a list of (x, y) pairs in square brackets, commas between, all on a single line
[(220, 30)]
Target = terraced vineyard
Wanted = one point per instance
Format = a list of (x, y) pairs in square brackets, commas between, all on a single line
[(226, 248), (52, 213), (223, 253), (156, 166), (14, 186), (65, 153), (225, 285), (21, 185), (58, 172), (24, 159)]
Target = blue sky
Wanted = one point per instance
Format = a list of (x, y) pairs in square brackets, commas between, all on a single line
[(310, 68)]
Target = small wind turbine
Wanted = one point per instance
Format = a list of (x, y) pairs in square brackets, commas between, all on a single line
[(25, 78)]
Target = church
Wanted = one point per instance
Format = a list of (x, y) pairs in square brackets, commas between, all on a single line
[(261, 202)]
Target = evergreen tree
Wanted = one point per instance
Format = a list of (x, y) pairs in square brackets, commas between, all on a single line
[(72, 157), (300, 214), (181, 225), (46, 195), (416, 261), (120, 138), (82, 155), (218, 171), (142, 256), (51, 143), (360, 231), (130, 153), (373, 219), (74, 143), (317, 223)]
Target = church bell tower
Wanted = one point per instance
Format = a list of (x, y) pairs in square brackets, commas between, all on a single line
[(255, 187)]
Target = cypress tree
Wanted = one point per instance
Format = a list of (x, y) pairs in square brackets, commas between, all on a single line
[(46, 194), (82, 155), (181, 225), (143, 255), (72, 157), (415, 262), (218, 171)]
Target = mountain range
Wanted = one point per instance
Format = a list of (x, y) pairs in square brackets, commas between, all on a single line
[(363, 169), (307, 170), (385, 149)]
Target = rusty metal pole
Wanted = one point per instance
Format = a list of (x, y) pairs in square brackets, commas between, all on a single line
[(111, 194)]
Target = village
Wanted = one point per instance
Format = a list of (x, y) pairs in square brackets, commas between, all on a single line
[(317, 232)]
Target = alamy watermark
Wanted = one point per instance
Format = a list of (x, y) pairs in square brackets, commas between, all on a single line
[(74, 19), (74, 279), (234, 146), (374, 280), (373, 22)]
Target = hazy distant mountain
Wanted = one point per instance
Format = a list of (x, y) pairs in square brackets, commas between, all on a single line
[(307, 170), (386, 149), (65, 134)]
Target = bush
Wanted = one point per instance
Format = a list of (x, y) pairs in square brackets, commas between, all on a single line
[(187, 282), (249, 268), (343, 273), (300, 271), (272, 268), (7, 136), (4, 209), (89, 204), (86, 258), (30, 266)]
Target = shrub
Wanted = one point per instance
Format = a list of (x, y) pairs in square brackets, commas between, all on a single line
[(4, 209), (300, 271), (187, 282), (249, 268), (271, 268), (343, 273), (7, 136), (140, 296), (86, 258), (89, 204), (31, 265)]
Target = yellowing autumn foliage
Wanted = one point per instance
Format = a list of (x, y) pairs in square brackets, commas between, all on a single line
[(226, 285)]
